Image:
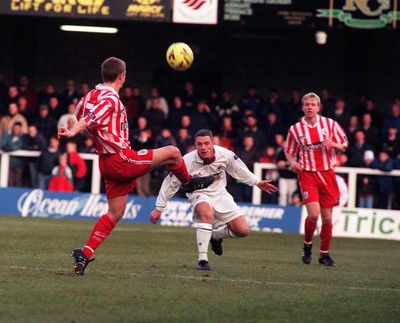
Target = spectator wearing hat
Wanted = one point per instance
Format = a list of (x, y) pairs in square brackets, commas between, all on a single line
[(44, 123)]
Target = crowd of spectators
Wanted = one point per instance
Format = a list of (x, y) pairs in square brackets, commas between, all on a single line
[(254, 126)]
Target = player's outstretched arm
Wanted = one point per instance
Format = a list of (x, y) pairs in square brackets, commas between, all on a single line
[(155, 216), (265, 186), (77, 128)]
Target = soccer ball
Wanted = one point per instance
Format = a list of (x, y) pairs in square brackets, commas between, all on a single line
[(179, 56)]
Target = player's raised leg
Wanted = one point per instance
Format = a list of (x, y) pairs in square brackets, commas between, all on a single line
[(172, 157), (236, 228)]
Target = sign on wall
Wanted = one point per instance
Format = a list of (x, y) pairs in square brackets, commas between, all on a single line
[(40, 203), (152, 10), (195, 11), (363, 223), (360, 14)]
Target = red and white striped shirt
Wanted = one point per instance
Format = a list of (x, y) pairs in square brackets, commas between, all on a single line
[(306, 141), (106, 119)]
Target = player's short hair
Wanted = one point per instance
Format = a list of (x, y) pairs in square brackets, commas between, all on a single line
[(111, 68), (204, 133), (311, 95)]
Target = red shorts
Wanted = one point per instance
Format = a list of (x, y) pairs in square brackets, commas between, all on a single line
[(319, 187), (121, 170)]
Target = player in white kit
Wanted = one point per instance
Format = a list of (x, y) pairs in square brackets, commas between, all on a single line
[(215, 212)]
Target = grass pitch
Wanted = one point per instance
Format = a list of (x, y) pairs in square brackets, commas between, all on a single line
[(147, 273)]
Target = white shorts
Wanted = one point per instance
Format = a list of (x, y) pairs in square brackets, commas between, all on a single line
[(225, 208)]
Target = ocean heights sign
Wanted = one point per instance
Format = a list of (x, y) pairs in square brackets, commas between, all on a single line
[(152, 10)]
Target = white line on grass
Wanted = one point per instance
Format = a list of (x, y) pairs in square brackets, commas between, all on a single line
[(202, 277)]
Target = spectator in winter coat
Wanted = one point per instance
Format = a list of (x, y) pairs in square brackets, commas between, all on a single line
[(61, 176), (12, 141), (77, 164), (46, 161), (33, 141), (384, 184)]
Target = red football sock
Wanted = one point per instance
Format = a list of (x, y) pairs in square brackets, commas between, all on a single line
[(309, 229), (181, 172), (100, 232), (326, 238)]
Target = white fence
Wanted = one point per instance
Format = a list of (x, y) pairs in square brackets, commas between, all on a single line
[(351, 172), (5, 164)]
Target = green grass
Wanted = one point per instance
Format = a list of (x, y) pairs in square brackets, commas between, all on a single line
[(147, 273)]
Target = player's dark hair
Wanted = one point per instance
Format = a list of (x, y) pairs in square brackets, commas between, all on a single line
[(111, 68), (204, 133)]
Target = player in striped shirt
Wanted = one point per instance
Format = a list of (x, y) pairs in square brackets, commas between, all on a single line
[(102, 114), (312, 144)]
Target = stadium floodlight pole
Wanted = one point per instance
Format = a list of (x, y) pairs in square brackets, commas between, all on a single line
[(89, 29)]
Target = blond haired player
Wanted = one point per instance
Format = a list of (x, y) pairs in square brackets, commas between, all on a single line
[(314, 140), (104, 117), (212, 205)]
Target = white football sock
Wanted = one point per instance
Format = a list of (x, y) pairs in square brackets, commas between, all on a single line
[(203, 236), (223, 232)]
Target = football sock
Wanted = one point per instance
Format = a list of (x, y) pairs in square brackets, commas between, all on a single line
[(309, 229), (223, 232), (326, 238), (203, 236), (100, 232), (181, 172)]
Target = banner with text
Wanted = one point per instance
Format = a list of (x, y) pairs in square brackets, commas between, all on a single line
[(151, 10), (39, 203), (359, 14), (363, 223)]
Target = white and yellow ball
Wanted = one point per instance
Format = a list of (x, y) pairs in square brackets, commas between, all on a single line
[(179, 56)]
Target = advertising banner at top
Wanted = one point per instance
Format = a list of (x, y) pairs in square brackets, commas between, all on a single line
[(150, 10), (321, 14), (195, 12), (358, 14)]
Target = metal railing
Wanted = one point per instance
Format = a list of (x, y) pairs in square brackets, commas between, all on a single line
[(351, 173), (5, 164)]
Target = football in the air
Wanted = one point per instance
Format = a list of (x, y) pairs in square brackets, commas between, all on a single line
[(179, 56)]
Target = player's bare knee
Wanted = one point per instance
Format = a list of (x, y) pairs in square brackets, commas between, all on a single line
[(205, 217), (116, 215), (174, 155), (243, 232), (313, 217)]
